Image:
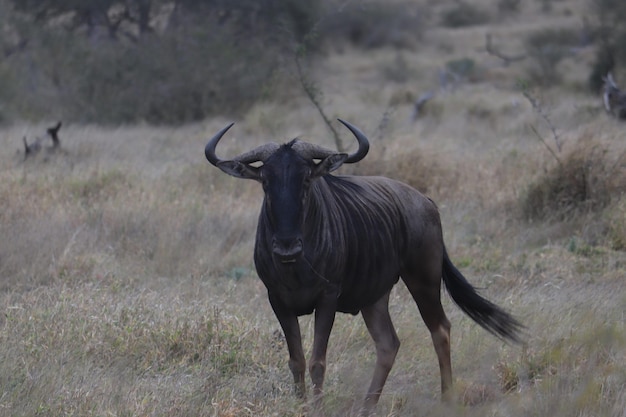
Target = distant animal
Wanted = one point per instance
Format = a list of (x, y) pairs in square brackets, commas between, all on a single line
[(54, 134), (36, 146), (614, 99), (328, 244), (33, 148)]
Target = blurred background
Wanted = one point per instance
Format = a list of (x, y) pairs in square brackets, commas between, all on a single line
[(176, 61), (127, 286)]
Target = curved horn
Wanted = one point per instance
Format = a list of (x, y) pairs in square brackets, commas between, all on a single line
[(364, 145), (260, 153), (209, 150), (257, 154), (311, 151)]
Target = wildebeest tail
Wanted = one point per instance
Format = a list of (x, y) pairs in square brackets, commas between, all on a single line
[(482, 311)]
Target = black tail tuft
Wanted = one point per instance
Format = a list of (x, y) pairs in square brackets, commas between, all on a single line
[(482, 311)]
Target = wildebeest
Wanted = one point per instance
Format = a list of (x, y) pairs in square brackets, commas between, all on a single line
[(36, 146), (329, 243)]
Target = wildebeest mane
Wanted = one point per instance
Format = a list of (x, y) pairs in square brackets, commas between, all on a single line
[(348, 215)]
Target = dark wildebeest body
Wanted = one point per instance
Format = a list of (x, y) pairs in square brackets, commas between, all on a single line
[(340, 243), (368, 223)]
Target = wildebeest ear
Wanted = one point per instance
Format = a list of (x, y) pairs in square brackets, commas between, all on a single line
[(239, 170), (329, 164)]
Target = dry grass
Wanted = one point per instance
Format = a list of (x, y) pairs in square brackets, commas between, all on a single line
[(127, 285), (587, 178)]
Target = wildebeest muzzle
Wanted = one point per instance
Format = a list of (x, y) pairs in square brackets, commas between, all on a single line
[(287, 250)]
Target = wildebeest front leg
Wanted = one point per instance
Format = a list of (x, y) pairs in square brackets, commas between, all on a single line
[(387, 343), (324, 319), (291, 328)]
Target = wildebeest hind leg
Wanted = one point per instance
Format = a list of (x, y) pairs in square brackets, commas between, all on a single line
[(428, 299), (381, 329)]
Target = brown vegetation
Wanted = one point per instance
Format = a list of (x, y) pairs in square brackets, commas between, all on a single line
[(126, 277)]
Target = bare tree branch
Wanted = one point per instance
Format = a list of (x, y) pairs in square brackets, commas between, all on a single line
[(557, 140), (419, 103), (546, 144), (491, 50), (313, 93)]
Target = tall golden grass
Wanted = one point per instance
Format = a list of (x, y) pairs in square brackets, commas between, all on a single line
[(127, 286)]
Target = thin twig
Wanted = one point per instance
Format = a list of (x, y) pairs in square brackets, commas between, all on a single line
[(419, 104), (312, 93), (491, 50), (546, 144), (310, 89), (546, 118)]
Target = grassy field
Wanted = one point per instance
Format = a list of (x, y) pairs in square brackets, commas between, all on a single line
[(126, 279)]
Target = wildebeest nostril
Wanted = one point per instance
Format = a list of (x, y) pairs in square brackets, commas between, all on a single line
[(287, 249)]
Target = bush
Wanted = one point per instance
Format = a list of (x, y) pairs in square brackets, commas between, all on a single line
[(372, 24), (464, 14), (546, 48), (183, 75), (276, 20), (508, 6), (586, 180), (462, 67), (207, 60), (426, 173)]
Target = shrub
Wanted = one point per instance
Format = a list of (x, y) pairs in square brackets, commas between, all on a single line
[(463, 14), (546, 48), (276, 20), (586, 180), (508, 6), (207, 60), (399, 71), (372, 24), (183, 75), (423, 172), (462, 67)]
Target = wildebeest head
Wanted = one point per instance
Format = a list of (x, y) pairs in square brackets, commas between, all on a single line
[(286, 173)]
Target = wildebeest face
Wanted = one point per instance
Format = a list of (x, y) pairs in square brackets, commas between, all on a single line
[(287, 173), (286, 176), (286, 179)]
